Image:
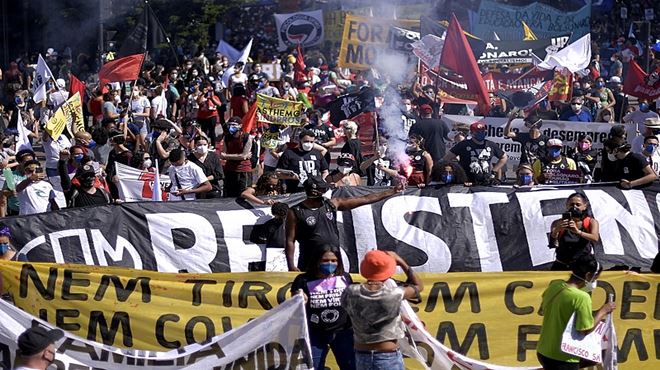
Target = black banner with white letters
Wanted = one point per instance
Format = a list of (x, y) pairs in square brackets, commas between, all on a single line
[(434, 229)]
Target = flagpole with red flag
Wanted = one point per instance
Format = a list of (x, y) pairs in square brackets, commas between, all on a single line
[(122, 69), (76, 86), (250, 119), (457, 56)]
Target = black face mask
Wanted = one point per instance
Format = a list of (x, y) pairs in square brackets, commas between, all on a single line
[(576, 213), (87, 182)]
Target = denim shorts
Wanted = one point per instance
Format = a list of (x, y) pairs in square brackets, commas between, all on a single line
[(374, 360)]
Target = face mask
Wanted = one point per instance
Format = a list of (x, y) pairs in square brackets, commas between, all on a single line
[(554, 152), (447, 178), (87, 182), (146, 163), (233, 129), (307, 146), (202, 149), (314, 194), (260, 85), (650, 148), (407, 107), (117, 99), (480, 135), (576, 107), (584, 146), (611, 157), (136, 93), (613, 59), (4, 247), (600, 85), (643, 107), (410, 148), (327, 268), (525, 179), (78, 158), (344, 169), (607, 118), (194, 74), (590, 286), (91, 144), (382, 149)]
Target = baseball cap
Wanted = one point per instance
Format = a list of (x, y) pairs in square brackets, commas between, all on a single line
[(377, 265), (346, 159), (35, 340), (85, 171), (315, 183), (425, 108), (477, 126), (533, 120), (554, 142), (24, 152)]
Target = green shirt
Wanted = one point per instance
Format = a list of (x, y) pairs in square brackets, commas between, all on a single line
[(12, 202), (559, 303)]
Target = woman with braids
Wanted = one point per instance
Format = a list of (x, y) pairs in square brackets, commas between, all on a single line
[(563, 299), (574, 234), (268, 185)]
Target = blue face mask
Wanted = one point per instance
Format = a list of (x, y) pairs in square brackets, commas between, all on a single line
[(78, 158), (327, 268), (554, 152), (4, 247), (525, 179), (233, 129), (600, 85), (480, 135), (643, 107), (91, 144), (650, 148), (447, 178)]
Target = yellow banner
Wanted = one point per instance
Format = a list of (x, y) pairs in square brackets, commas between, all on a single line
[(365, 38), (279, 111), (333, 26), (69, 115), (493, 317)]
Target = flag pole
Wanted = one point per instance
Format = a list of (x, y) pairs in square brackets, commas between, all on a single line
[(162, 29)]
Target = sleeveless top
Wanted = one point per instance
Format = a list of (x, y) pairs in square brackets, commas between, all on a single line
[(314, 228), (235, 145)]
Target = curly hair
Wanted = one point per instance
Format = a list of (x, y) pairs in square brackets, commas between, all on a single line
[(459, 174)]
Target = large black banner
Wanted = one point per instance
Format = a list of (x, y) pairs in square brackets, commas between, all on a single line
[(435, 229)]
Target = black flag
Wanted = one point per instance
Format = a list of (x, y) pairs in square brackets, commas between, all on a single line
[(350, 105), (146, 35)]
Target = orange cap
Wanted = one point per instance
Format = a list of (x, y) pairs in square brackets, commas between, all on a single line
[(377, 265)]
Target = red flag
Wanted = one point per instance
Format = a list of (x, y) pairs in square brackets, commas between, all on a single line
[(122, 69), (250, 119), (76, 86), (458, 57), (299, 66), (640, 84)]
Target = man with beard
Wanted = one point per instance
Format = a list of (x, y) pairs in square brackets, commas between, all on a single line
[(313, 222)]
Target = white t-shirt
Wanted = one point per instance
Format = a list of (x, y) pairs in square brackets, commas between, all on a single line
[(240, 78), (189, 176), (159, 106), (57, 98), (138, 106), (35, 198), (52, 149)]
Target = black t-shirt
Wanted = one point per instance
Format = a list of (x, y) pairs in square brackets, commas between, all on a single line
[(531, 149), (377, 177), (211, 167), (80, 198), (434, 132), (476, 158), (324, 311), (303, 163), (354, 147), (271, 233), (323, 135), (408, 120), (315, 228), (632, 167)]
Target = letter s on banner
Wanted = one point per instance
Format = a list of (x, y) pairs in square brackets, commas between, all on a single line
[(393, 214), (172, 258)]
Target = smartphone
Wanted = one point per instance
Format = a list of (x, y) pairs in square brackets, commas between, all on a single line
[(566, 216)]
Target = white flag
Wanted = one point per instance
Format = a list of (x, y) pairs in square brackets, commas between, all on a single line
[(41, 77), (574, 57), (245, 53), (23, 140), (610, 359), (229, 51), (157, 192)]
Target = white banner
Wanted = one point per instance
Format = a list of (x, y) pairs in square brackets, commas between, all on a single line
[(137, 185), (590, 346), (566, 131), (304, 28), (277, 339), (41, 76)]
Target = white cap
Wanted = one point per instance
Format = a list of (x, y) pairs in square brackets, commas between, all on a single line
[(615, 79), (554, 143), (60, 83)]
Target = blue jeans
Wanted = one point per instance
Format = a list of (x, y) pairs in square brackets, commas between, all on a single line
[(372, 360), (340, 342)]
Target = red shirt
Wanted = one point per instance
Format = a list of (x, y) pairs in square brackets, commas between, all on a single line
[(235, 145), (236, 105), (208, 109)]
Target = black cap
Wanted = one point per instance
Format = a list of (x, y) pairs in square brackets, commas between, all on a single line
[(617, 131), (315, 183), (86, 170), (346, 159), (22, 153), (35, 340)]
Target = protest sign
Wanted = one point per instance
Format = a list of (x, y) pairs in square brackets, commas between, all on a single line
[(69, 115), (276, 339), (333, 23), (350, 105), (279, 111), (521, 52), (366, 38), (137, 185), (546, 21), (304, 28), (492, 318), (453, 230), (401, 39), (584, 346), (428, 49)]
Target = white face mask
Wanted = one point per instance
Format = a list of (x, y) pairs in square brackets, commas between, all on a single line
[(202, 149), (344, 170), (590, 286), (117, 99), (382, 149), (136, 93), (307, 146), (147, 163), (611, 157)]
